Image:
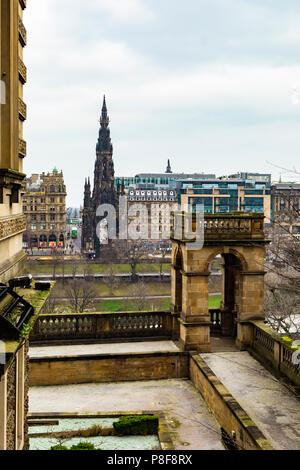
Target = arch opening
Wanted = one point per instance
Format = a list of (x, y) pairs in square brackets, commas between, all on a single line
[(225, 293), (178, 281)]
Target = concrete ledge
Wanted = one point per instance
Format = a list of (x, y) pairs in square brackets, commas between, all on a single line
[(108, 368), (230, 415)]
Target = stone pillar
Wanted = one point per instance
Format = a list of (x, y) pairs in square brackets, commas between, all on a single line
[(195, 317), (252, 304)]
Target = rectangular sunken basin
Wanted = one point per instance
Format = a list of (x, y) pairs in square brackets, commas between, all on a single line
[(47, 431)]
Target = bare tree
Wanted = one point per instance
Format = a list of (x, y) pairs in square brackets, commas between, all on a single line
[(138, 297), (81, 295), (282, 282), (51, 305), (131, 252), (111, 279)]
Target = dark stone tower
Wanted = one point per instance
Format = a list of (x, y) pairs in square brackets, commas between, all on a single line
[(169, 169), (104, 186)]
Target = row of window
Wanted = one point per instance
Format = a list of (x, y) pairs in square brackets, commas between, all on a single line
[(35, 227), (42, 200)]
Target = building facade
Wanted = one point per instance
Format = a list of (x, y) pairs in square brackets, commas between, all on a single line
[(13, 76), (153, 206), (14, 362), (238, 193), (285, 207), (44, 205), (104, 190)]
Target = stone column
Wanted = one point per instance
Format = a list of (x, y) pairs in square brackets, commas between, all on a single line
[(195, 317), (252, 304)]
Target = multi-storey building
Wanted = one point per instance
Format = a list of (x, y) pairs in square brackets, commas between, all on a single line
[(44, 205), (285, 206), (14, 310), (12, 146), (154, 206), (243, 193), (160, 179)]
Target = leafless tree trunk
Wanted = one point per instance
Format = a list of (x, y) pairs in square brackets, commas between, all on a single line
[(282, 282), (81, 295)]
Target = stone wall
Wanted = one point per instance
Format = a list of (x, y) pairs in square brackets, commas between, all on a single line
[(230, 415), (11, 407), (107, 368)]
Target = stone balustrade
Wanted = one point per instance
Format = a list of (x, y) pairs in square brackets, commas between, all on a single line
[(233, 226), (267, 344), (102, 326)]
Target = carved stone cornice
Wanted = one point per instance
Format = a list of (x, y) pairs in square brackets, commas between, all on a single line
[(11, 226), (22, 33), (22, 110), (10, 178), (22, 71), (22, 148)]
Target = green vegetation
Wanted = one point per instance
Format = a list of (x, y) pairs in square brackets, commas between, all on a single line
[(137, 425), (289, 343), (84, 446), (59, 448), (80, 446), (36, 268), (214, 301), (120, 289), (124, 305)]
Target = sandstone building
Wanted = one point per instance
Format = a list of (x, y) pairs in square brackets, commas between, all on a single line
[(44, 205), (13, 76), (14, 310)]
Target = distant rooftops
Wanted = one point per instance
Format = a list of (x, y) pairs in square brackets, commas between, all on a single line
[(176, 176)]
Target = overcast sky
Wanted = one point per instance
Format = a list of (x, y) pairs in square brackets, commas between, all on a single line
[(211, 84)]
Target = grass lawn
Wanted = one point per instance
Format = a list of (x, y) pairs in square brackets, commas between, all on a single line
[(119, 305), (123, 288), (36, 268), (214, 301)]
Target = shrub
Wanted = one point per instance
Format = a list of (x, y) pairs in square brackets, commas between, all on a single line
[(83, 446), (59, 448), (137, 425)]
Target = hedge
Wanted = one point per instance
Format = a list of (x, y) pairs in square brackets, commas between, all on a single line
[(137, 425)]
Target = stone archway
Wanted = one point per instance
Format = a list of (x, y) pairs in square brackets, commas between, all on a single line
[(239, 239)]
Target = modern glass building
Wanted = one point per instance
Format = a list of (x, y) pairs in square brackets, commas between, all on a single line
[(228, 194)]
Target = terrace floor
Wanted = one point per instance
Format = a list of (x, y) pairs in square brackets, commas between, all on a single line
[(191, 423), (274, 409), (107, 348)]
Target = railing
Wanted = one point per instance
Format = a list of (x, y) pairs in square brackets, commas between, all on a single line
[(264, 340), (102, 326), (269, 345), (216, 321)]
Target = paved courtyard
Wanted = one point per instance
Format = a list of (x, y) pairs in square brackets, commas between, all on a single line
[(193, 426)]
